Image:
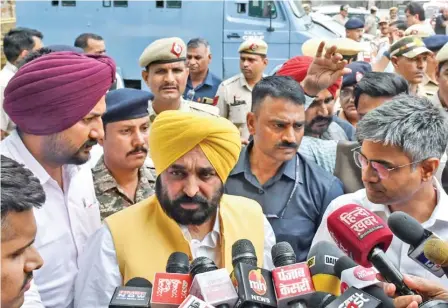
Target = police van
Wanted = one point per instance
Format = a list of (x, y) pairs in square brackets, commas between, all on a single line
[(129, 26)]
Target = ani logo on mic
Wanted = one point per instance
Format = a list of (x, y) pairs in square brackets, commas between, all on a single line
[(257, 282)]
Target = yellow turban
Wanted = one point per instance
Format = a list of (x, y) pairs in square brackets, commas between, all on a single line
[(175, 133)]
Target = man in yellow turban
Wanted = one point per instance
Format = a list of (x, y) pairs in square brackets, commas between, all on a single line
[(193, 155)]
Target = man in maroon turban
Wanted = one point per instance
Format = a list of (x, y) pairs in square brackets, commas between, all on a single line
[(318, 112), (57, 101)]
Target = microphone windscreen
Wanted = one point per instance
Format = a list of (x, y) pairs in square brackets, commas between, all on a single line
[(357, 231), (322, 258), (178, 263), (320, 300), (202, 265), (283, 254), (139, 282), (401, 223), (436, 251), (244, 251)]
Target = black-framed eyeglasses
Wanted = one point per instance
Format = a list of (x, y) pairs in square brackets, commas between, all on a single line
[(383, 172)]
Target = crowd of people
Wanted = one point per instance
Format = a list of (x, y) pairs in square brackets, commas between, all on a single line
[(101, 183)]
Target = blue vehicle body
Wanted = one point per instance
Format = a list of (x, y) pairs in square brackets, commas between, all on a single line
[(128, 27)]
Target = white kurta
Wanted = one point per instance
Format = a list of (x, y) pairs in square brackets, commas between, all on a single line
[(64, 223), (398, 251), (6, 75), (99, 274)]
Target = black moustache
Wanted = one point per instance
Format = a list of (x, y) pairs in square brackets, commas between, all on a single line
[(90, 143), (139, 149), (319, 119), (291, 145)]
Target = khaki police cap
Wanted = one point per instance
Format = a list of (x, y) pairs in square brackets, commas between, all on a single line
[(393, 9), (383, 19), (166, 50), (254, 46), (420, 30), (346, 46), (309, 47), (409, 47), (442, 55)]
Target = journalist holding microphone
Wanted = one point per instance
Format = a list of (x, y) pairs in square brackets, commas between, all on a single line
[(426, 288), (193, 155), (402, 142)]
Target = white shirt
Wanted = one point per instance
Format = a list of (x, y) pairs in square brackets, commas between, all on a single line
[(120, 83), (99, 274), (33, 299), (6, 74), (398, 251), (340, 19), (64, 223)]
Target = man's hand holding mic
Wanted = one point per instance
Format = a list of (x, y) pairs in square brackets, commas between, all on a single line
[(426, 288)]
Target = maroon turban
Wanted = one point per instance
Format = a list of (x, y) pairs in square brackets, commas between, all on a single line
[(297, 68), (53, 92)]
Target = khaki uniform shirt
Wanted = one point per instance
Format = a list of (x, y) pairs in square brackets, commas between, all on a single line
[(235, 101), (188, 106), (430, 87), (111, 197)]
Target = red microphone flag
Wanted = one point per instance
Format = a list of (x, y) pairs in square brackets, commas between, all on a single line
[(357, 231)]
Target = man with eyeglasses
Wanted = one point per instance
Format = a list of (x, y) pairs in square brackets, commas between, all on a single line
[(348, 110), (402, 142)]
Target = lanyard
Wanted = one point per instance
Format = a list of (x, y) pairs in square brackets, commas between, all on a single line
[(285, 207)]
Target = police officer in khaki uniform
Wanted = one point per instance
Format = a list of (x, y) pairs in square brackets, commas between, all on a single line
[(235, 94), (435, 44), (409, 57), (393, 14), (166, 73)]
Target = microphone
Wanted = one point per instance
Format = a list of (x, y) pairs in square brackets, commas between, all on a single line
[(193, 302), (364, 237), (253, 284), (400, 223), (436, 251), (211, 284), (320, 299), (171, 288), (321, 260), (354, 275), (354, 297), (292, 281), (136, 293)]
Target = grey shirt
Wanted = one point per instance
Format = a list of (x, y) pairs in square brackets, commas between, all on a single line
[(297, 223)]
